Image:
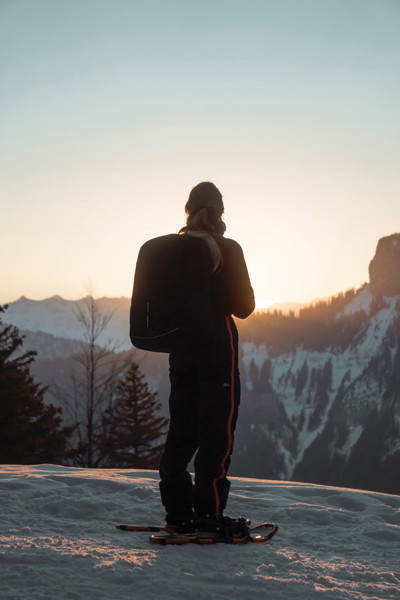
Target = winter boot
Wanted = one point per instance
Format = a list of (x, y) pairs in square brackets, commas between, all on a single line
[(224, 527), (182, 523)]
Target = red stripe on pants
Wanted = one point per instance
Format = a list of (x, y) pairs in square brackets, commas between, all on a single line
[(223, 462)]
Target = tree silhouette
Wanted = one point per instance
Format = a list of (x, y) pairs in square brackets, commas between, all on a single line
[(134, 429), (29, 430), (301, 378), (91, 387)]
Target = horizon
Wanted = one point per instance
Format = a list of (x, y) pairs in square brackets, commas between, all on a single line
[(263, 306), (111, 115)]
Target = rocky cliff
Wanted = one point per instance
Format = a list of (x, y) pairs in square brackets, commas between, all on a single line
[(384, 268)]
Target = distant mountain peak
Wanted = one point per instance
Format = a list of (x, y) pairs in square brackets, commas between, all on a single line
[(384, 268)]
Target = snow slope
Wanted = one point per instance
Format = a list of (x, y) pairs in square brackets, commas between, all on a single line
[(58, 541), (311, 416), (57, 317)]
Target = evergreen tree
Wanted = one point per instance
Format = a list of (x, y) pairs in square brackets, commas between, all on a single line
[(253, 374), (301, 378), (134, 429), (29, 429)]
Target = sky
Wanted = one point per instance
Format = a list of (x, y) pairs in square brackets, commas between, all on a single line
[(111, 111)]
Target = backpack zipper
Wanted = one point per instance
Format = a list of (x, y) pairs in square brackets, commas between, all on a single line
[(154, 337)]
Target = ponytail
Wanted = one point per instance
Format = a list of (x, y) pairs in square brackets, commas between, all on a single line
[(206, 219), (204, 210), (212, 244)]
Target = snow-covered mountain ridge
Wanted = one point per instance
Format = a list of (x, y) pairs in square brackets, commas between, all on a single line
[(320, 389), (57, 317), (317, 390), (322, 396)]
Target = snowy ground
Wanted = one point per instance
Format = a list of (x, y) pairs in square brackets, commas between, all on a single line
[(58, 541)]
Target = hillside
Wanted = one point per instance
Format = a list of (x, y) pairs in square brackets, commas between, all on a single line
[(322, 400)]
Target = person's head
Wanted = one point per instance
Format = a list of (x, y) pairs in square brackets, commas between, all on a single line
[(204, 209)]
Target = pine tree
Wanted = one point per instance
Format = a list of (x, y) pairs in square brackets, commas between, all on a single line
[(29, 429), (134, 429), (301, 378)]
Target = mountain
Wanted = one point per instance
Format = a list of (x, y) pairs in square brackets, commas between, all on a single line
[(57, 317), (59, 541), (384, 269), (320, 387), (287, 307), (322, 396)]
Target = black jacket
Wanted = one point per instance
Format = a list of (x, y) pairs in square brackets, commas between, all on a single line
[(206, 297)]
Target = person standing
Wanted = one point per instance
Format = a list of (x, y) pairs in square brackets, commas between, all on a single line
[(204, 374)]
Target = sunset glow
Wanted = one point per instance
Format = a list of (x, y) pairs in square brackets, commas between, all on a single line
[(112, 112)]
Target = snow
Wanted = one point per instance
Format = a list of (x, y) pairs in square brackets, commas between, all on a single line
[(58, 540), (251, 351), (362, 301), (348, 365), (57, 317), (354, 434)]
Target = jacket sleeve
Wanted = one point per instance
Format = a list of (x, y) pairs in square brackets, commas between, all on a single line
[(239, 293)]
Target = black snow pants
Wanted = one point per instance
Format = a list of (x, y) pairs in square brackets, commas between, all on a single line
[(204, 401)]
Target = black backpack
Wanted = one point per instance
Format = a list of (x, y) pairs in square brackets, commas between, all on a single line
[(157, 294)]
